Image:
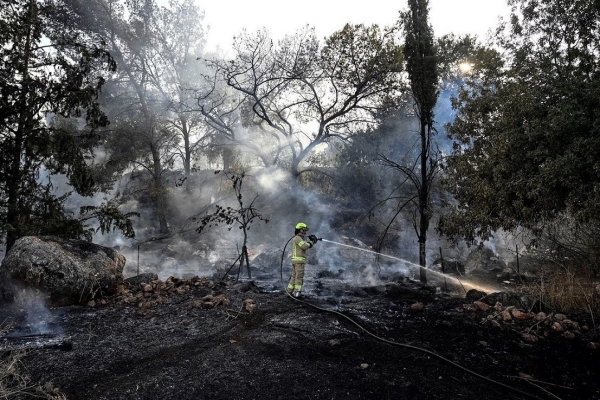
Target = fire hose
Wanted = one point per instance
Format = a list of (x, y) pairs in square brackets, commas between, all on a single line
[(390, 342)]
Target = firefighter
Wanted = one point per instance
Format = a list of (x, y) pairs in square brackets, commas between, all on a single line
[(299, 247)]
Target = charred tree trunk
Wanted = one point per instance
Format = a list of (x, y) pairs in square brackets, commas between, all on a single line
[(14, 181), (159, 191), (187, 156), (12, 208), (423, 203)]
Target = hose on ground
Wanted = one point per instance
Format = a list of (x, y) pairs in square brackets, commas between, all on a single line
[(390, 342)]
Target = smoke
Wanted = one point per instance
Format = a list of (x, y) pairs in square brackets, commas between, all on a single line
[(272, 179), (444, 114), (30, 310), (279, 199), (38, 318)]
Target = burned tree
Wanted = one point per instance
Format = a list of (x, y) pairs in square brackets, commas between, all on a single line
[(243, 217)]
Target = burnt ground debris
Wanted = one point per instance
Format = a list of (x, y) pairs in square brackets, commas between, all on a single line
[(288, 349)]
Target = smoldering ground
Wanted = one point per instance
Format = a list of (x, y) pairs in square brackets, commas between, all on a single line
[(179, 349)]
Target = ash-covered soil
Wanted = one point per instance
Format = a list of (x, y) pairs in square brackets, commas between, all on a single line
[(265, 345)]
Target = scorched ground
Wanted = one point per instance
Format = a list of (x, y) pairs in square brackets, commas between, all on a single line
[(237, 341)]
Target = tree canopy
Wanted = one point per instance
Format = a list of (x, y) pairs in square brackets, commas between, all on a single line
[(147, 99), (527, 125), (48, 70), (296, 94)]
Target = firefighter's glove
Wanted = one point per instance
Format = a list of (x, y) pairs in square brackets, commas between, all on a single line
[(313, 239)]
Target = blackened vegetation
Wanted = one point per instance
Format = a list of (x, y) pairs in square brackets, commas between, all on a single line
[(242, 216), (184, 347)]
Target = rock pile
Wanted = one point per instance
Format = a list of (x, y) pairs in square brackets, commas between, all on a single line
[(146, 294), (532, 326)]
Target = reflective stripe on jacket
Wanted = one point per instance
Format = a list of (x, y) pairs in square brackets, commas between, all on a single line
[(299, 247)]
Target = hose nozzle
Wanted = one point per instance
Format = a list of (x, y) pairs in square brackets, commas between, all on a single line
[(314, 238)]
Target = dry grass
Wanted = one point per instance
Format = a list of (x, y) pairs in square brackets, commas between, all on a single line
[(568, 289), (16, 384), (14, 381)]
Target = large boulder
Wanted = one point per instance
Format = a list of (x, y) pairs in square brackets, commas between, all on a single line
[(69, 271)]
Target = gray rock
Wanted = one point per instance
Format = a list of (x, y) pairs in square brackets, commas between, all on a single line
[(69, 271), (484, 260), (509, 299), (474, 295)]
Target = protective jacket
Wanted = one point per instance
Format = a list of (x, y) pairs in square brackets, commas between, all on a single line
[(299, 247)]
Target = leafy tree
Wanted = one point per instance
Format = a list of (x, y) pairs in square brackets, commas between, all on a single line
[(287, 99), (383, 164), (146, 99), (527, 124), (179, 38), (454, 59), (48, 70), (130, 42)]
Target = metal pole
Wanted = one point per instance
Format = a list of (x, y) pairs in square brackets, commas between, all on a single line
[(443, 270)]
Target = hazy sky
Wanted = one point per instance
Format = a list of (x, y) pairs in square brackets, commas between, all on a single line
[(228, 17)]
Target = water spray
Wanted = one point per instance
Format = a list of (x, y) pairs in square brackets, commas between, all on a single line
[(404, 345), (368, 251), (456, 280)]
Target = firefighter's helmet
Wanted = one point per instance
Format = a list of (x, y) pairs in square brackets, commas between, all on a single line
[(301, 225)]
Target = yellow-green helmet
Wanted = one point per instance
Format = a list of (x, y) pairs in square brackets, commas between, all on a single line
[(301, 225)]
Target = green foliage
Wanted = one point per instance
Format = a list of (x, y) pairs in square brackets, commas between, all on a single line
[(150, 98), (422, 67), (527, 129), (359, 56), (452, 51), (109, 217), (50, 72), (47, 215), (420, 54)]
